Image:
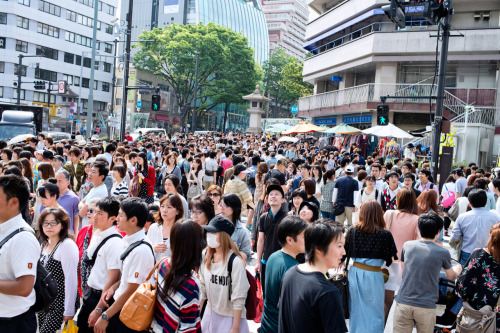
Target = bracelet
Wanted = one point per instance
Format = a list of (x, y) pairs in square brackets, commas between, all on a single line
[(98, 310)]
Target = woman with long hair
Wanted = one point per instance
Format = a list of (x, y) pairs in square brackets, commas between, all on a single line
[(317, 175), (403, 224), (224, 291), (45, 171), (171, 211), (86, 185), (230, 206), (147, 178), (27, 171), (172, 183), (49, 193), (298, 197), (262, 169), (86, 153), (369, 245), (195, 178), (170, 167), (308, 185), (214, 192), (478, 283), (202, 209), (427, 202), (326, 204), (178, 297), (60, 258)]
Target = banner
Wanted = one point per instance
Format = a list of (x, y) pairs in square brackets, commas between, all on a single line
[(170, 6)]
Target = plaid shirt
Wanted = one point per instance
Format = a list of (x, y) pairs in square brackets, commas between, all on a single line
[(80, 170)]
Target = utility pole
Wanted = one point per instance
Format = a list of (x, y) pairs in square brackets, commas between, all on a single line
[(436, 131), (19, 72), (113, 84), (90, 106), (126, 59), (193, 120)]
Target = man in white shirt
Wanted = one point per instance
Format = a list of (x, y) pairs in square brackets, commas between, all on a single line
[(106, 247), (18, 259), (135, 267), (375, 171), (98, 172), (211, 167)]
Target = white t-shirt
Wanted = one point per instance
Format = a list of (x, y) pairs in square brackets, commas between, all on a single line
[(137, 265), (95, 192), (18, 257), (107, 258)]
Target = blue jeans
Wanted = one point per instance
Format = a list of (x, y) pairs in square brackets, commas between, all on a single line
[(464, 256), (327, 215)]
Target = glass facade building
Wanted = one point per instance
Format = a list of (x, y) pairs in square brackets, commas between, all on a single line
[(243, 16)]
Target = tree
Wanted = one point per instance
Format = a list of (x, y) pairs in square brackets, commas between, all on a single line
[(225, 59), (293, 82)]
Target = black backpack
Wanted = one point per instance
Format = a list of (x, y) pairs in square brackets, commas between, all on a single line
[(133, 246), (45, 284), (92, 260)]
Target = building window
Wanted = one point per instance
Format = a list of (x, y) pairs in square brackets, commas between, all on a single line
[(23, 94), (78, 60), (107, 67), (85, 20), (70, 37), (99, 25), (101, 106), (109, 29), (82, 40), (105, 86), (71, 16), (2, 67), (46, 75), (23, 70), (47, 52), (96, 84), (3, 18), (108, 48), (43, 97), (24, 2), (68, 78), (1, 92), (22, 22), (49, 8), (21, 46), (96, 65), (69, 58), (48, 30), (85, 83), (118, 101), (76, 81), (87, 62)]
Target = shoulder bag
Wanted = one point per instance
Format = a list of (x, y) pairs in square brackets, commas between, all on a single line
[(448, 202), (135, 186), (470, 320), (137, 312), (340, 280)]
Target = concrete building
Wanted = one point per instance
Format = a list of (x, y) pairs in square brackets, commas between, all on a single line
[(243, 16), (62, 32), (358, 55), (286, 24)]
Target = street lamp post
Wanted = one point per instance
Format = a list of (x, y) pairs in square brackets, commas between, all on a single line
[(126, 60), (90, 107)]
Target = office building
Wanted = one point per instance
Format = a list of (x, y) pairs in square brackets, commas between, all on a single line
[(60, 34), (358, 55)]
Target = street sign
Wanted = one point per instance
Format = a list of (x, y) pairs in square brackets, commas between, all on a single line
[(62, 87), (71, 111), (72, 107), (71, 117), (72, 104), (139, 104), (294, 109), (77, 121), (336, 78)]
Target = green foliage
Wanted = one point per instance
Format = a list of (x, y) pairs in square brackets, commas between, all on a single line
[(226, 72), (292, 79)]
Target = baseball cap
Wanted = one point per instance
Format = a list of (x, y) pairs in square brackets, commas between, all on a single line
[(349, 169), (274, 187), (240, 168), (220, 224)]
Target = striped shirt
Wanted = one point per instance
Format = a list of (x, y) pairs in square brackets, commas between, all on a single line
[(179, 312), (121, 189)]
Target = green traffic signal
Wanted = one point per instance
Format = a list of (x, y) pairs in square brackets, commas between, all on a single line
[(383, 115), (155, 102)]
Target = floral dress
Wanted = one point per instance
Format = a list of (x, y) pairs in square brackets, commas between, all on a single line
[(478, 283)]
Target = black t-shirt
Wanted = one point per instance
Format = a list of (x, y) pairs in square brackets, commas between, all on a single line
[(269, 227), (275, 173), (346, 187), (314, 201), (309, 303)]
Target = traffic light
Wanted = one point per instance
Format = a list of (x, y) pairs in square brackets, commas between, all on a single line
[(396, 13), (383, 115), (155, 102), (434, 11), (39, 85)]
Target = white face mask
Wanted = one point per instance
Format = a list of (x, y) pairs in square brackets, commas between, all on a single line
[(212, 241)]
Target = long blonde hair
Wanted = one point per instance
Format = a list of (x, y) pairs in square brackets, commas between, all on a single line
[(226, 244)]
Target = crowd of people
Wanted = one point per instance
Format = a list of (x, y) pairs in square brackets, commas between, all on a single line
[(193, 213)]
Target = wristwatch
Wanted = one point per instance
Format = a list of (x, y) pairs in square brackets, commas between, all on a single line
[(98, 310), (104, 316)]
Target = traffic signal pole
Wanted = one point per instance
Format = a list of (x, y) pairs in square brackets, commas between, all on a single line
[(443, 62)]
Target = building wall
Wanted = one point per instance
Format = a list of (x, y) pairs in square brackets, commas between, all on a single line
[(64, 27)]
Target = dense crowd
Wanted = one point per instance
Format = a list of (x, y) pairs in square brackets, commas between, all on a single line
[(192, 215)]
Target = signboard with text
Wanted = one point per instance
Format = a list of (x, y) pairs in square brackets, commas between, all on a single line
[(357, 119)]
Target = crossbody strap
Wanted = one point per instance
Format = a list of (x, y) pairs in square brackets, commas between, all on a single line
[(133, 246), (390, 220), (12, 234), (94, 256), (230, 271)]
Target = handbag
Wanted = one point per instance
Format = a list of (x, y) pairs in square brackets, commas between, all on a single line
[(338, 209), (341, 282), (137, 312), (448, 202), (135, 186), (454, 210), (193, 191), (69, 327), (470, 320)]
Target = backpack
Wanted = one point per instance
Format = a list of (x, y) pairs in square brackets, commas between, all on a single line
[(45, 284), (376, 193), (92, 260), (252, 301), (133, 246)]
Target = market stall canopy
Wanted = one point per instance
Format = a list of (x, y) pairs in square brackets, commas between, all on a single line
[(288, 139), (274, 130), (281, 126), (389, 131), (303, 127), (343, 129)]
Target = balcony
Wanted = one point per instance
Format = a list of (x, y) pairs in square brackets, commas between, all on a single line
[(407, 45), (367, 97)]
